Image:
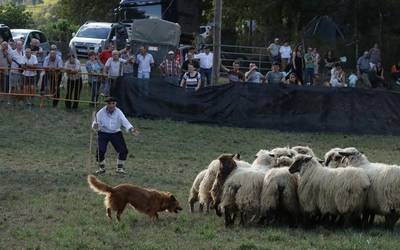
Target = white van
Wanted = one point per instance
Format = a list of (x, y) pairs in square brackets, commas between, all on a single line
[(90, 36)]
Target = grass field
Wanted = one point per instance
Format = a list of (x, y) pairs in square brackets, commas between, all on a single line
[(45, 202)]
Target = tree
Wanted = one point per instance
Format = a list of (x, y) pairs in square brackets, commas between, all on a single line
[(15, 16)]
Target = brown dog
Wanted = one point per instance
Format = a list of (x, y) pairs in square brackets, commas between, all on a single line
[(148, 201)]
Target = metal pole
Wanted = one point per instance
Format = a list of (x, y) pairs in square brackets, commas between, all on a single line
[(217, 41)]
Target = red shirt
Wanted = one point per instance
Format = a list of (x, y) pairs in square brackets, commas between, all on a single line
[(104, 55)]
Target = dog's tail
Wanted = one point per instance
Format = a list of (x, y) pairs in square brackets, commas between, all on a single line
[(99, 186)]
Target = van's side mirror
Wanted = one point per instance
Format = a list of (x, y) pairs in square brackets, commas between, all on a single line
[(73, 34)]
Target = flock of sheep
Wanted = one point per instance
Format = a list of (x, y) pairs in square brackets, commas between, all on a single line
[(292, 186)]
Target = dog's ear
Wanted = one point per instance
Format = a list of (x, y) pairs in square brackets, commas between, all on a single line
[(172, 197)]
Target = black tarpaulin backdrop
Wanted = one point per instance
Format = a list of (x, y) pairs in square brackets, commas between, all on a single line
[(293, 108)]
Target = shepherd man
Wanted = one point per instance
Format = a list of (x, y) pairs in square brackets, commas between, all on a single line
[(108, 123)]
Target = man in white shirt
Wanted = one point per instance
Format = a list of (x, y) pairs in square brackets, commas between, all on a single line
[(30, 64), (114, 68), (17, 58), (273, 49), (145, 61), (52, 75), (206, 64), (108, 123)]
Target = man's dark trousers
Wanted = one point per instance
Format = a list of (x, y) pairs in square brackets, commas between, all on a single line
[(118, 142)]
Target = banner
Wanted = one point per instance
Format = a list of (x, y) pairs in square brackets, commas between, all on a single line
[(291, 108)]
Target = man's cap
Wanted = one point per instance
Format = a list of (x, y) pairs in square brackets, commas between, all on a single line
[(207, 47), (111, 99), (275, 63), (171, 52)]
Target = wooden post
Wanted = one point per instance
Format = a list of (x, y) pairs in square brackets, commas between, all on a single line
[(217, 41)]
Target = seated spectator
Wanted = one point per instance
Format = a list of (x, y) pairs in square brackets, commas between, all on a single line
[(292, 80), (234, 74), (274, 76), (95, 69), (52, 79), (395, 71), (377, 78), (253, 76), (352, 80), (74, 83), (338, 77), (170, 69), (191, 80)]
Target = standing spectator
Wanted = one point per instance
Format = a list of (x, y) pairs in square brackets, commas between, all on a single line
[(74, 83), (145, 61), (317, 58), (127, 54), (377, 76), (58, 52), (338, 77), (37, 51), (108, 123), (192, 51), (234, 74), (309, 60), (17, 57), (364, 68), (190, 60), (106, 53), (395, 71), (95, 69), (191, 80), (114, 69), (375, 54), (275, 77), (5, 62), (12, 44), (273, 50), (52, 65), (285, 52), (253, 76), (30, 65), (292, 80), (298, 63), (206, 64), (170, 69)]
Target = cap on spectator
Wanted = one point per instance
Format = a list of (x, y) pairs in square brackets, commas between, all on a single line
[(128, 45), (111, 99), (206, 47), (275, 63), (53, 46), (171, 52)]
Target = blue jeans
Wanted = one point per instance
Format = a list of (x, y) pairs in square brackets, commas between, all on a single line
[(118, 142), (143, 75), (309, 77), (206, 73)]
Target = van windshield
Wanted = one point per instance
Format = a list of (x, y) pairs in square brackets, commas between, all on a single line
[(94, 32)]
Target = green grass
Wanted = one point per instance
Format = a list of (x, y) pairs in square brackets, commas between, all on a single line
[(45, 202)]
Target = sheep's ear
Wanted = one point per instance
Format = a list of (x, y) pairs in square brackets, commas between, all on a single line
[(172, 197), (320, 161), (307, 158), (237, 156), (328, 160), (272, 155)]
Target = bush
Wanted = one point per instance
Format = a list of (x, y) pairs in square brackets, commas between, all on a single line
[(15, 16)]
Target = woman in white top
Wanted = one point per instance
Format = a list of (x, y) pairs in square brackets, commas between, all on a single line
[(74, 84), (191, 80), (29, 74), (338, 77), (286, 51)]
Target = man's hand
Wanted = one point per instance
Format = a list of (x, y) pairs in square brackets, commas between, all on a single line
[(134, 131), (95, 126)]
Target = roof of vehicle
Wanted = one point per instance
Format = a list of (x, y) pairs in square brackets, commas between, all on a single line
[(99, 24), (24, 30)]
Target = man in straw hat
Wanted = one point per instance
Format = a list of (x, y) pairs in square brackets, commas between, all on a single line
[(108, 123)]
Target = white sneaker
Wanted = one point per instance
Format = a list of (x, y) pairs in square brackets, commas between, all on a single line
[(120, 171)]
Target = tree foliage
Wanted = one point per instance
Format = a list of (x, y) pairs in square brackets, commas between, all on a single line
[(15, 16)]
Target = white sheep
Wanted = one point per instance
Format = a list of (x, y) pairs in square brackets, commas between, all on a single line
[(247, 198), (327, 191), (194, 191), (384, 193), (333, 159), (264, 160), (285, 151), (279, 195), (304, 150), (209, 178)]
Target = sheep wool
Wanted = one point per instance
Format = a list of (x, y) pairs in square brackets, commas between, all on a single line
[(194, 190)]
